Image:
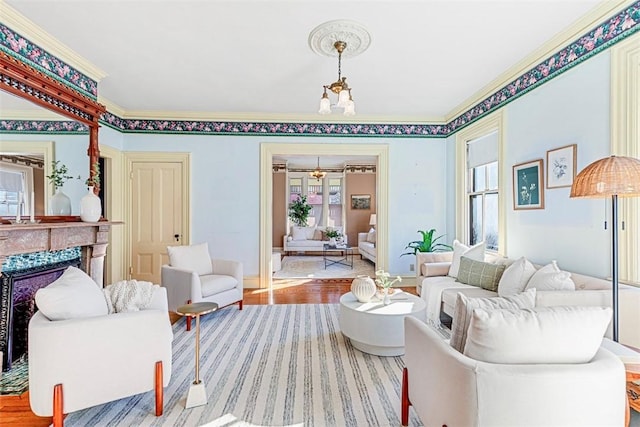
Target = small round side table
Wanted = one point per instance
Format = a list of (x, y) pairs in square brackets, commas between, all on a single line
[(197, 395), (633, 400)]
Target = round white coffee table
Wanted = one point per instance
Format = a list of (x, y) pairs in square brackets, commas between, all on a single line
[(376, 328)]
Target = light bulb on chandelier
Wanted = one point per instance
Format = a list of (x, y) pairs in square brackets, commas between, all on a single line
[(317, 173), (339, 87)]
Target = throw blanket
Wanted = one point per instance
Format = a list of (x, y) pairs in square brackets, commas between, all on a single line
[(128, 295), (433, 298)]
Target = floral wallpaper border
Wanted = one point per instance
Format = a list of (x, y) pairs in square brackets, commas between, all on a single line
[(21, 48), (43, 127), (613, 30)]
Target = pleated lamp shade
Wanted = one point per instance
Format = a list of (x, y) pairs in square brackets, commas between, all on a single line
[(614, 175)]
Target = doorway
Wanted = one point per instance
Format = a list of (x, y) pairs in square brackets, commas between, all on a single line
[(267, 153)]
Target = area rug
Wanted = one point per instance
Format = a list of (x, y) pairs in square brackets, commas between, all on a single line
[(279, 365), (16, 380), (313, 267)]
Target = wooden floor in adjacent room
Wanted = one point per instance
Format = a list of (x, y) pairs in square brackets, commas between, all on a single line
[(15, 410)]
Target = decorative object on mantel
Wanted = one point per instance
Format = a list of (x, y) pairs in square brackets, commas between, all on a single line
[(383, 279), (611, 176), (90, 207), (363, 288), (341, 38), (60, 202)]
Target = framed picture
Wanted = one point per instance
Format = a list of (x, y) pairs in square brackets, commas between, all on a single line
[(561, 166), (528, 185), (361, 201)]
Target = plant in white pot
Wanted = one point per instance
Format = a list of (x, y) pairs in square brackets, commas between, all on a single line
[(60, 202), (332, 234)]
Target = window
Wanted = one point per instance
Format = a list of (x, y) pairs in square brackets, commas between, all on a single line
[(335, 202), (482, 190), (327, 211), (314, 198)]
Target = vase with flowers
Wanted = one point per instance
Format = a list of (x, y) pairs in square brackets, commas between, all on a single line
[(332, 234), (60, 202), (384, 281), (90, 206)]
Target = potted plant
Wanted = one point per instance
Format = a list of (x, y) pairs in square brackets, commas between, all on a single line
[(299, 211), (60, 202), (427, 244), (332, 234)]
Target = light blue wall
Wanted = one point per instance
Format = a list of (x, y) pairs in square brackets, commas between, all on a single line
[(226, 189), (571, 109)]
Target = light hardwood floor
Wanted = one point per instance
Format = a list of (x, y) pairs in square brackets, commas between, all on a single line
[(15, 410)]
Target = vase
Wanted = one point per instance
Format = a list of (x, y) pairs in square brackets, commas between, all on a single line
[(60, 203), (90, 207), (386, 300), (332, 241), (363, 288)]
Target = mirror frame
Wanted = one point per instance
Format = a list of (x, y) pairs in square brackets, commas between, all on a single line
[(26, 82)]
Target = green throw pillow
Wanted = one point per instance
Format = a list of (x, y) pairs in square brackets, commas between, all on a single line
[(478, 273)]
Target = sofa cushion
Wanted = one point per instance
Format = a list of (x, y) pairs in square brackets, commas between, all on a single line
[(515, 277), (302, 233), (478, 273), (464, 307), (215, 283), (371, 237), (193, 258), (449, 296), (73, 295), (551, 278), (535, 336), (475, 252)]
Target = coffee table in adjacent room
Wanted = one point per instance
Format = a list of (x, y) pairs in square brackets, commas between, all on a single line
[(375, 328), (337, 255)]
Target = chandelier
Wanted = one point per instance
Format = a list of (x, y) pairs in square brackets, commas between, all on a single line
[(339, 87), (348, 39), (317, 173)]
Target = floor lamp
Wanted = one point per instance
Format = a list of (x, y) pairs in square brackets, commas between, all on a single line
[(614, 177)]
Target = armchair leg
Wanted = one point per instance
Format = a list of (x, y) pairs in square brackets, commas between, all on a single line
[(188, 319), (240, 305), (405, 398), (159, 389), (58, 416)]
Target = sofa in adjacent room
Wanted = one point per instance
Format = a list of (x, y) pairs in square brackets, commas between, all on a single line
[(367, 245), (306, 239)]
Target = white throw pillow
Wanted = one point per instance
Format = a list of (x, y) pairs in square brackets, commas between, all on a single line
[(193, 258), (310, 232), (515, 278), (73, 295), (465, 305), (551, 278), (371, 236), (475, 253), (534, 336)]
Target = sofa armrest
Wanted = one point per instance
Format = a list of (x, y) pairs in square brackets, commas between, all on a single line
[(229, 268), (158, 300), (181, 285), (431, 269), (97, 359), (362, 237)]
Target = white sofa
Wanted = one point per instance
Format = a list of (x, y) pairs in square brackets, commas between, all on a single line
[(307, 239), (446, 387), (367, 248), (591, 291)]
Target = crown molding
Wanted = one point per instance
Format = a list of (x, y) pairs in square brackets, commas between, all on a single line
[(601, 12), (35, 114), (27, 28)]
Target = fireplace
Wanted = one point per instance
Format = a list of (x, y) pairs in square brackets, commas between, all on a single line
[(17, 305)]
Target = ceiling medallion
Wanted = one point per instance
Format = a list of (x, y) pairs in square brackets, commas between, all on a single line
[(322, 39)]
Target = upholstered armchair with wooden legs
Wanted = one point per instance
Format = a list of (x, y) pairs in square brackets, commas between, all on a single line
[(79, 358), (193, 276)]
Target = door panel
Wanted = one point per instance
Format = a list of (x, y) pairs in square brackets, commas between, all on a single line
[(156, 208)]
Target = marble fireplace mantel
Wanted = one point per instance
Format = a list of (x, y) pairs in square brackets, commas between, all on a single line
[(92, 237)]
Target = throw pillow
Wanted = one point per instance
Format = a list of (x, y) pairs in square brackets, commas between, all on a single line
[(317, 235), (73, 295), (515, 278), (310, 231), (371, 236), (464, 308), (475, 252), (299, 233), (542, 335), (193, 258), (551, 278), (478, 273)]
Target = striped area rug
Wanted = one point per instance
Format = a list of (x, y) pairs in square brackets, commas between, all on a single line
[(280, 365)]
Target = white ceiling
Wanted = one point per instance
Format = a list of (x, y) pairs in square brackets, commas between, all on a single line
[(252, 58)]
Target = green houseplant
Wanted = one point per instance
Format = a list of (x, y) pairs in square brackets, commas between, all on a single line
[(59, 174), (60, 203), (427, 244), (332, 233), (299, 211)]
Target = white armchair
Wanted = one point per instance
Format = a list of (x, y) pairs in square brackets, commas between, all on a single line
[(445, 387), (89, 358), (193, 276)]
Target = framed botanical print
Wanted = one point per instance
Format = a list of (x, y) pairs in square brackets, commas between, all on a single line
[(361, 201), (561, 166), (528, 185)]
